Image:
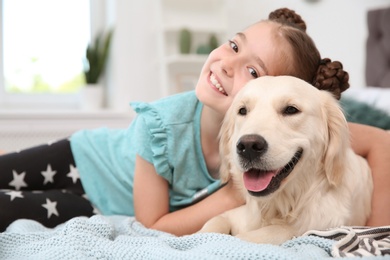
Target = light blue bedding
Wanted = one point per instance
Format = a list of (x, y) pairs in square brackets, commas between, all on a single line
[(118, 237)]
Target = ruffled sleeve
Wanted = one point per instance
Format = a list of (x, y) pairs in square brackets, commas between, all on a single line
[(152, 138)]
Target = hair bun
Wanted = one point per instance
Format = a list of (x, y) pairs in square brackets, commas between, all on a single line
[(285, 15), (331, 77)]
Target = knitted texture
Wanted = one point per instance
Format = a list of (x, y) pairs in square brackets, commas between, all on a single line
[(117, 237), (364, 113)]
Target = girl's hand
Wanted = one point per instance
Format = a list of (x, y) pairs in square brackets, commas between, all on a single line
[(374, 145), (151, 203)]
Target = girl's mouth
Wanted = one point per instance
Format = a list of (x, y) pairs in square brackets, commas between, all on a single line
[(216, 84)]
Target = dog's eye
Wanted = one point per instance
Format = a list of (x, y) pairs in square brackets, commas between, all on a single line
[(242, 111), (290, 110)]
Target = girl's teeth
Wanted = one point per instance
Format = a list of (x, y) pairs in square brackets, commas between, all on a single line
[(215, 82)]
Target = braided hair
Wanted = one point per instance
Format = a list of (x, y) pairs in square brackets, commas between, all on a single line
[(306, 61)]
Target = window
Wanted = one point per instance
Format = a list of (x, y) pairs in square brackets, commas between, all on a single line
[(43, 50)]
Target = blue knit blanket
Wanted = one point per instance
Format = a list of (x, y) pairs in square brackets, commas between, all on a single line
[(118, 237)]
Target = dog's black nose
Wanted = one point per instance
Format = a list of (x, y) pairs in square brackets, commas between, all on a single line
[(251, 146)]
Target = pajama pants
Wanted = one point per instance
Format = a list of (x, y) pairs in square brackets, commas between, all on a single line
[(41, 183)]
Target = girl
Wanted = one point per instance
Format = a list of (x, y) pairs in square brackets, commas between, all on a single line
[(164, 168)]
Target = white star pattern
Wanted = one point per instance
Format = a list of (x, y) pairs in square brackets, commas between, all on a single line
[(96, 211), (51, 142), (15, 194), (74, 174), (51, 208), (18, 180), (48, 174)]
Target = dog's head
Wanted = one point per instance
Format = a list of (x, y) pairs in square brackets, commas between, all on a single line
[(279, 127)]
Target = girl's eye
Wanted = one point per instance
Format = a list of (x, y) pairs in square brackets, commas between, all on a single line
[(242, 111), (233, 46), (253, 73)]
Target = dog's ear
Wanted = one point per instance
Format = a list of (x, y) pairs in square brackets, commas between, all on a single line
[(225, 136), (338, 141)]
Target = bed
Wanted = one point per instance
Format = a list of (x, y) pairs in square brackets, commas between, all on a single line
[(121, 237)]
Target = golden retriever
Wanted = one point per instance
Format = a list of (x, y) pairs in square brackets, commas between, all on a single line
[(286, 145)]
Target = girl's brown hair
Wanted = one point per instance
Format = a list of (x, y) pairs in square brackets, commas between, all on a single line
[(306, 60)]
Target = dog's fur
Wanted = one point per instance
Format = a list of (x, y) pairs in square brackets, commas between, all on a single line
[(272, 121)]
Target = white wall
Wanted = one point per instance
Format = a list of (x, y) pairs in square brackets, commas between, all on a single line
[(337, 26), (132, 72)]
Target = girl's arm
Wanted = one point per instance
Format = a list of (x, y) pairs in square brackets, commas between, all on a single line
[(374, 145), (151, 203)]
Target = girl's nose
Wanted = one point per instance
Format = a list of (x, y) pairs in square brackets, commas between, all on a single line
[(227, 65)]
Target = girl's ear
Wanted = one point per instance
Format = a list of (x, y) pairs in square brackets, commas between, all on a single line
[(338, 142), (225, 136)]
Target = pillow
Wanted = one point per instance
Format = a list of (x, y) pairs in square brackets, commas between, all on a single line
[(360, 112)]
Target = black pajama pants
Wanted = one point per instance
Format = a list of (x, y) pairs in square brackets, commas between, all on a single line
[(41, 183)]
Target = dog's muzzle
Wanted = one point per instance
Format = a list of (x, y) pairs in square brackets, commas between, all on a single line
[(261, 182)]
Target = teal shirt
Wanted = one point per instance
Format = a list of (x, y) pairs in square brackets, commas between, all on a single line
[(166, 133)]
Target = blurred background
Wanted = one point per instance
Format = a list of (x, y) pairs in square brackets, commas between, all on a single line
[(157, 48)]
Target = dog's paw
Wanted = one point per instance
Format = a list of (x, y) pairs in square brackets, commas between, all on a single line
[(274, 235), (218, 224)]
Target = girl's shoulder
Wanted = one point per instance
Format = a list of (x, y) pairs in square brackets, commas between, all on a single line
[(175, 109), (182, 97)]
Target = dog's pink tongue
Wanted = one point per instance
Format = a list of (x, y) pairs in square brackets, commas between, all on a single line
[(257, 181)]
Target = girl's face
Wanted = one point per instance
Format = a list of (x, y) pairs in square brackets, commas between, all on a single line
[(250, 54)]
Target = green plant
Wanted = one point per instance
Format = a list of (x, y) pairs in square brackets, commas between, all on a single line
[(96, 57), (185, 41), (207, 48), (213, 42)]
